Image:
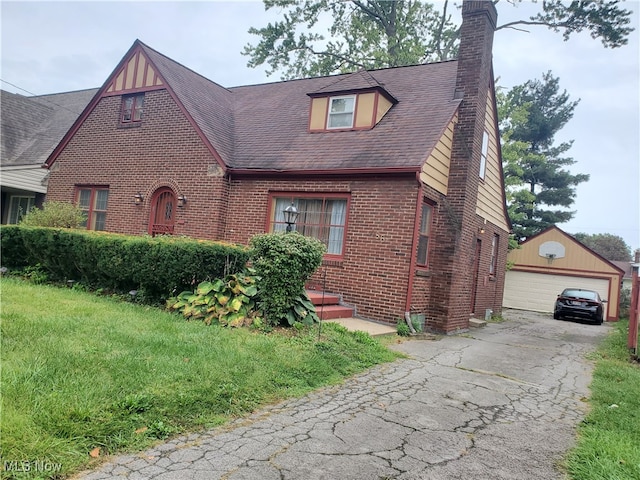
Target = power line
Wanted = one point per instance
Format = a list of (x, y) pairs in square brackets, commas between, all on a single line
[(40, 97)]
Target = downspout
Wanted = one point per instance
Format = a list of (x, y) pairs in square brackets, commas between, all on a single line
[(414, 253)]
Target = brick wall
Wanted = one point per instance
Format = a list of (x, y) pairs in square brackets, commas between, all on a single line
[(375, 271), (164, 150), (452, 283)]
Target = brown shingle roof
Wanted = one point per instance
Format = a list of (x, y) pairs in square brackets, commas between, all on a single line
[(265, 127), (354, 81), (271, 124)]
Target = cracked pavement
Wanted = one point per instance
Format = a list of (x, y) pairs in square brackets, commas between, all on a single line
[(501, 402)]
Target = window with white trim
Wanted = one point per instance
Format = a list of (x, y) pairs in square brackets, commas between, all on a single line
[(341, 112), (483, 154), (319, 216), (93, 202), (19, 206)]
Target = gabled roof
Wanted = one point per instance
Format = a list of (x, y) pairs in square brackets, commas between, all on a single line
[(626, 267), (353, 82), (264, 128), (574, 240), (33, 126)]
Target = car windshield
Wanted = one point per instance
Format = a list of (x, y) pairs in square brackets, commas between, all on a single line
[(572, 292)]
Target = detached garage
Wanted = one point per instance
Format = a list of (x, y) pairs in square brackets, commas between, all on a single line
[(551, 261)]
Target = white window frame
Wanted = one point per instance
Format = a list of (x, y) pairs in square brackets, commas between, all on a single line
[(483, 154), (352, 112), (15, 214)]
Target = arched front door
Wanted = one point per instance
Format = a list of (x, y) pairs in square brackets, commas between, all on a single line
[(163, 212)]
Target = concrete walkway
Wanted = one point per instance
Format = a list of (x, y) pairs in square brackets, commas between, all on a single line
[(501, 402)]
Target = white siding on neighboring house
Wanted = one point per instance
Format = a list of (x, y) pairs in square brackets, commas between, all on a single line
[(24, 177)]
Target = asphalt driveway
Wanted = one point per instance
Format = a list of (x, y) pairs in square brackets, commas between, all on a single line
[(500, 402)]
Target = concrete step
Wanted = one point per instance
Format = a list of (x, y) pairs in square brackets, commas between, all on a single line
[(476, 323), (330, 312), (372, 328)]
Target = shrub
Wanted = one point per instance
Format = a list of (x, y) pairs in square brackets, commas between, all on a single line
[(55, 214), (228, 302), (284, 262), (155, 267)]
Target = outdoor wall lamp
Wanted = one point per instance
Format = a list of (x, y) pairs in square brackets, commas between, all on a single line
[(290, 216), (182, 201), (481, 230), (138, 198)]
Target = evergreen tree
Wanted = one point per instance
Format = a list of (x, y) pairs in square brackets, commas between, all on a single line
[(540, 189)]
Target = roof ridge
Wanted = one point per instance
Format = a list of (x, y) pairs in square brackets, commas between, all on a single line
[(147, 48)]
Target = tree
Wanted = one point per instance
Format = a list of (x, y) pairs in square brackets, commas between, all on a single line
[(611, 247), (377, 33), (539, 187)]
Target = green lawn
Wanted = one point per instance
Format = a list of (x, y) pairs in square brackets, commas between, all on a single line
[(609, 438), (81, 372)]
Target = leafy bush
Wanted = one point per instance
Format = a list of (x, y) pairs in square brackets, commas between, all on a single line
[(284, 262), (228, 302), (55, 214)]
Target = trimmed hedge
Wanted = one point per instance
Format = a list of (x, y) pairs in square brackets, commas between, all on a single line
[(157, 267)]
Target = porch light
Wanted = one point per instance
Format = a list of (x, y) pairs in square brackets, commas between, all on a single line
[(182, 201), (138, 198), (290, 216)]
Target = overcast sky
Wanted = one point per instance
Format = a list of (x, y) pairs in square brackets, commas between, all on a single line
[(50, 47)]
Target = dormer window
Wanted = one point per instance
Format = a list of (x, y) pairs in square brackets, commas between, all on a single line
[(132, 107), (341, 111)]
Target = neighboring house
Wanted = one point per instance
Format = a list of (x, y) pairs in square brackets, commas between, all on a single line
[(553, 260), (627, 268), (31, 129), (398, 171)]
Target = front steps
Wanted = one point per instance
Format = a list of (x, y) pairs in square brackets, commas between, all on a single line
[(328, 305)]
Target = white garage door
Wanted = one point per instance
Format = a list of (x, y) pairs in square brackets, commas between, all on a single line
[(538, 291)]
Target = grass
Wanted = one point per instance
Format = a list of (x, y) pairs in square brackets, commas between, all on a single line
[(85, 374), (609, 438)]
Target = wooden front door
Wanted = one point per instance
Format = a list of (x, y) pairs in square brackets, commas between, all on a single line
[(163, 212)]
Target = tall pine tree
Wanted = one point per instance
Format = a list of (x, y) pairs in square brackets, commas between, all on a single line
[(540, 188)]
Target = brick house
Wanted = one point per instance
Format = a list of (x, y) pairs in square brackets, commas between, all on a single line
[(398, 171)]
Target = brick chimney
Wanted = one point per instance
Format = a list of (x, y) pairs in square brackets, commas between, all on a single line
[(455, 246)]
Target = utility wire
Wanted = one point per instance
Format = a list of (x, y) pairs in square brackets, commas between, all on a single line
[(41, 97)]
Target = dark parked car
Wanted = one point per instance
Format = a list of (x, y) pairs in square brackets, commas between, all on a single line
[(576, 302)]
